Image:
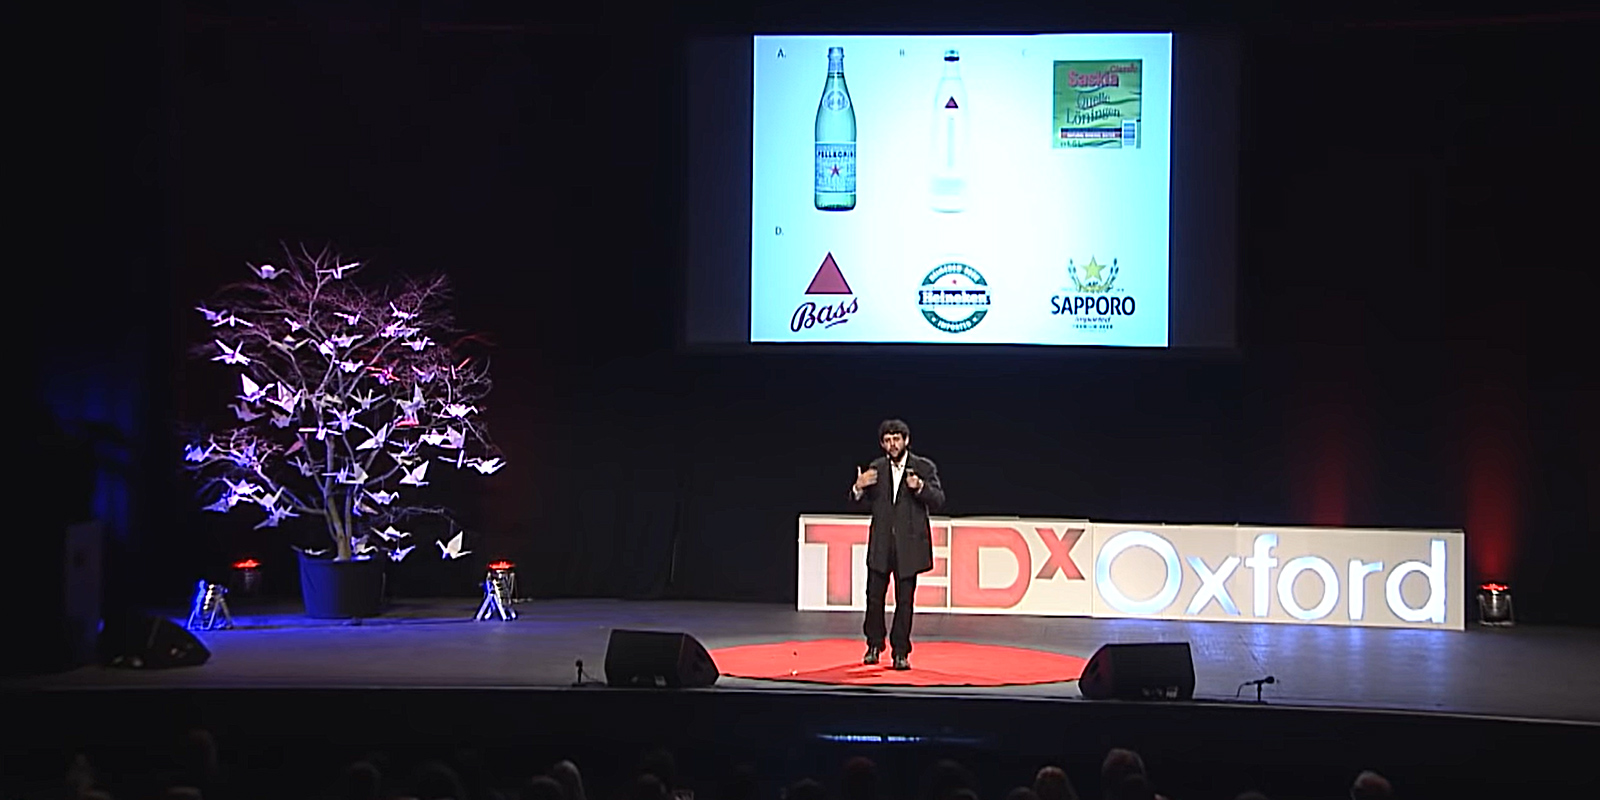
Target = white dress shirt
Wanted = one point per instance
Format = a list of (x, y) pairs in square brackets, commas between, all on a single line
[(897, 472)]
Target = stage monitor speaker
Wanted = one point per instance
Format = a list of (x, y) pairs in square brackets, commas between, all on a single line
[(145, 642), (658, 658), (1150, 671)]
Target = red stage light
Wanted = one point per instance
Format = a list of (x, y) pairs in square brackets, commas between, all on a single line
[(246, 576), (499, 591), (1494, 604)]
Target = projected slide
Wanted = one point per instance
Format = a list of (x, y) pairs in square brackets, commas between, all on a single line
[(961, 189)]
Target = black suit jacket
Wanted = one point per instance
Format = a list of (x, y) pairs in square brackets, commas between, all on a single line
[(903, 520)]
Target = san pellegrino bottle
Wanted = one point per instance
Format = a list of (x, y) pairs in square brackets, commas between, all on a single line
[(951, 149), (836, 140)]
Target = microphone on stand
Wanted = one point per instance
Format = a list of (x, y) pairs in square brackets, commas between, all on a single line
[(1256, 683)]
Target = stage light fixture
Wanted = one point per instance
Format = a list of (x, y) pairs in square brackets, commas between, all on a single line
[(1494, 605), (247, 576), (209, 611), (511, 576), (499, 586)]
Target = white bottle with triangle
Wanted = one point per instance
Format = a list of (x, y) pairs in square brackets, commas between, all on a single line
[(951, 147)]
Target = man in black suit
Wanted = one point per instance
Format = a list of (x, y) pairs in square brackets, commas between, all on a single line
[(900, 543)]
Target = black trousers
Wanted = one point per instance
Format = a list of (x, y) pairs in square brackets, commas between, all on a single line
[(905, 592)]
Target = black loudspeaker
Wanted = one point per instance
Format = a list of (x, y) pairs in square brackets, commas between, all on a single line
[(143, 642), (1153, 671), (56, 577), (82, 601), (657, 658)]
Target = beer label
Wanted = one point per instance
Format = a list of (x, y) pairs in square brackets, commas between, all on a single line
[(1096, 104), (836, 167)]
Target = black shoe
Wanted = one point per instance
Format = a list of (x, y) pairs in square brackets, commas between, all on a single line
[(902, 662), (872, 655)]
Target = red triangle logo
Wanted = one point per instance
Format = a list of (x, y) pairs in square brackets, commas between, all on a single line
[(951, 103), (828, 280)]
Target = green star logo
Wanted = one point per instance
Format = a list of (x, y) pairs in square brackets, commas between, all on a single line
[(1093, 269), (1097, 278)]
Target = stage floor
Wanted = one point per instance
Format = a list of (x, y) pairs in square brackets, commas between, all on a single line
[(1535, 673)]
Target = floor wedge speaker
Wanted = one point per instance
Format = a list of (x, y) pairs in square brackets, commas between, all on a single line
[(149, 642), (658, 658), (1151, 671)]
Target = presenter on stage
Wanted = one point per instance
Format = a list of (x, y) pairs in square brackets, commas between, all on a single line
[(901, 489)]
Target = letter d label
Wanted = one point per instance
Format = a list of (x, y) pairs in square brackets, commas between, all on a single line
[(1432, 610)]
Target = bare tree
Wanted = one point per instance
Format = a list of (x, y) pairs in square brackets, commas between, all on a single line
[(348, 396)]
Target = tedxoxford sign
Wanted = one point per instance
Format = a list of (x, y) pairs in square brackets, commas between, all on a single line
[(1060, 567)]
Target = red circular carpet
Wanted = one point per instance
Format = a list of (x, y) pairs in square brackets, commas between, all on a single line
[(932, 664)]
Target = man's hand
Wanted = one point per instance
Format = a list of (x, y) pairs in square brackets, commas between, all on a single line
[(865, 479), (913, 482)]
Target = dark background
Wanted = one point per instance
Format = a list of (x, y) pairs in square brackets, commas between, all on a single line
[(1416, 328)]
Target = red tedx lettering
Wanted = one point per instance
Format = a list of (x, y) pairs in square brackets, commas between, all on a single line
[(1060, 553), (839, 539), (965, 544), (933, 595)]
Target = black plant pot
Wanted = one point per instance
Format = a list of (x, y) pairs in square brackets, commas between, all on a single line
[(341, 589)]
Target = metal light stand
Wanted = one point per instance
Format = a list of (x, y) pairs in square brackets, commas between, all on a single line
[(210, 609), (498, 587)]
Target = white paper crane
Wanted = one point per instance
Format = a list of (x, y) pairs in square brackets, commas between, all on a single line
[(245, 413), (415, 477), (338, 271), (383, 498), (389, 534), (377, 439), (230, 319), (451, 439), (250, 391), (230, 355), (453, 550)]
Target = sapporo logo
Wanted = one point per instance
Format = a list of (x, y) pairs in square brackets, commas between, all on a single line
[(828, 283), (1093, 301), (954, 297)]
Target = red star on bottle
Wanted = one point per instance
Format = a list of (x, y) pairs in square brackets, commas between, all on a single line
[(835, 171)]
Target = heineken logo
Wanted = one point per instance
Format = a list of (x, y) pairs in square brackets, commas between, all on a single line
[(953, 297)]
